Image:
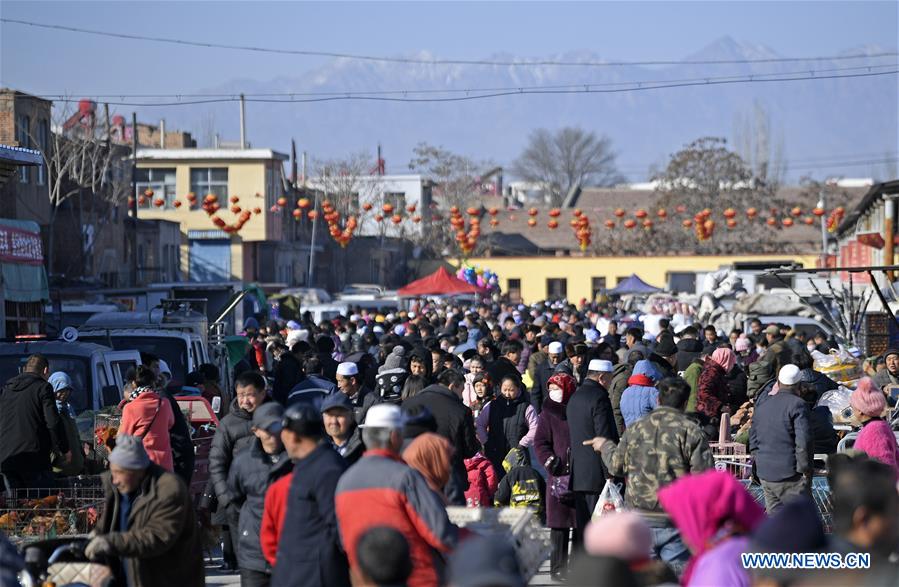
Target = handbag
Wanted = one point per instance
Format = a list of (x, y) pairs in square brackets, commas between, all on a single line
[(560, 488)]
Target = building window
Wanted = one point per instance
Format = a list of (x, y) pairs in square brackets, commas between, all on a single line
[(620, 278), (210, 180), (23, 131), (513, 288), (556, 288), (598, 285), (161, 181), (681, 281), (43, 143), (397, 199)]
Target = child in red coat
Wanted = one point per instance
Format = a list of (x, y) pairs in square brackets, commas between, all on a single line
[(482, 481)]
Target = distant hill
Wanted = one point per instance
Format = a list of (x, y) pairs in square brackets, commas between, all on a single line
[(825, 120)]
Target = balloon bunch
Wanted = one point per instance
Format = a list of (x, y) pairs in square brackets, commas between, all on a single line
[(467, 240), (580, 224), (483, 278)]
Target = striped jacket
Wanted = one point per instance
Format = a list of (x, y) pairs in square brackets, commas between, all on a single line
[(381, 490)]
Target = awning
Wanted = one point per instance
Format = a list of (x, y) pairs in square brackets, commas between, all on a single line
[(23, 277)]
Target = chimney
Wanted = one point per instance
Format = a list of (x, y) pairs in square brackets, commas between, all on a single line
[(162, 134), (243, 123)]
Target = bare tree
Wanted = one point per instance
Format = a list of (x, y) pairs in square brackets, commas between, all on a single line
[(348, 184), (206, 130), (83, 160), (760, 147), (570, 156)]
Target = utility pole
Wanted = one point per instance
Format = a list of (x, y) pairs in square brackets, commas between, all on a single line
[(243, 123), (311, 272), (823, 230), (133, 231), (889, 231)]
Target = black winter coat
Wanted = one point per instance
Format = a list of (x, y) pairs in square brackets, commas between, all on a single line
[(183, 455), (364, 400), (354, 447), (822, 382), (251, 475), (500, 368), (309, 553), (542, 373), (287, 373), (780, 438), (589, 415), (455, 423), (232, 436), (30, 426), (507, 425)]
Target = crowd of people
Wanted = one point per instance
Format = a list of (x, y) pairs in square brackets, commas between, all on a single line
[(346, 441)]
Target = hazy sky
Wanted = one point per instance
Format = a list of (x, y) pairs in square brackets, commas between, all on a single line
[(45, 61)]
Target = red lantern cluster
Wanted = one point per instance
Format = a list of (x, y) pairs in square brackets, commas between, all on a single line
[(582, 231), (211, 204), (704, 225), (833, 221), (467, 240)]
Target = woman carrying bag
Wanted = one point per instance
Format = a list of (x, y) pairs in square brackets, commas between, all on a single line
[(552, 444), (147, 415)]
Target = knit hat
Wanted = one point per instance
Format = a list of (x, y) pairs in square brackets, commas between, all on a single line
[(129, 453), (666, 347), (742, 344), (395, 359), (867, 398), (890, 352), (59, 380), (624, 535)]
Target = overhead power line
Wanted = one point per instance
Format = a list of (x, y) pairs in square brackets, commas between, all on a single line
[(413, 60), (471, 95)]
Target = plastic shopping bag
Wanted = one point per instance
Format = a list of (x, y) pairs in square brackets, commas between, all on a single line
[(610, 500)]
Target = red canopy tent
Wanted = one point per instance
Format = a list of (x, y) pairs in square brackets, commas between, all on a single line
[(439, 283)]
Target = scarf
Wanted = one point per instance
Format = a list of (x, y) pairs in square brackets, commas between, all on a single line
[(138, 391)]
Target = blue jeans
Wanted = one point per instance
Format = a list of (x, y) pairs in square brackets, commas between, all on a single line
[(668, 545)]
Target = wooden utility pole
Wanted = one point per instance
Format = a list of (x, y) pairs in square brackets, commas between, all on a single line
[(133, 231)]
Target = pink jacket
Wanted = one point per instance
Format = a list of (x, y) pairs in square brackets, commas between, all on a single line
[(482, 481), (138, 419), (876, 438)]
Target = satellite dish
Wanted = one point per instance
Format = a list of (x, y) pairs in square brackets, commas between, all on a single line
[(69, 334)]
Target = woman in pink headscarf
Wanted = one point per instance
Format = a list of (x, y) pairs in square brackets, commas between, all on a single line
[(712, 394), (715, 515)]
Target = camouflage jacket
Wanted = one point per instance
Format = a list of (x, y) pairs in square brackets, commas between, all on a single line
[(657, 449)]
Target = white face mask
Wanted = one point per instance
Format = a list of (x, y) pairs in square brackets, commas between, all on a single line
[(555, 394)]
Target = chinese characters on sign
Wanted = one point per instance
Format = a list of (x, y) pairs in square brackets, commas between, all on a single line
[(20, 246)]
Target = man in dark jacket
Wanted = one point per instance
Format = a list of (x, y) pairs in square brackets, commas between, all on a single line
[(147, 522), (344, 434), (233, 435), (665, 356), (30, 427), (324, 346), (253, 471), (507, 364), (349, 381), (287, 373), (576, 363), (454, 422), (589, 413), (313, 381), (309, 552), (780, 442)]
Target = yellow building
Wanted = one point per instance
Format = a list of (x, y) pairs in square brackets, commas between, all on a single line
[(531, 279), (266, 248)]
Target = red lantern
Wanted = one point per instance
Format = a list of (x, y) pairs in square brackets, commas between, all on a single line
[(191, 196), (610, 224), (577, 213), (472, 211), (573, 222), (681, 208), (454, 209), (149, 192), (257, 210), (532, 212), (619, 212), (641, 213), (397, 219), (494, 222), (532, 222), (787, 222), (176, 203), (819, 212), (808, 220), (555, 212), (378, 217), (772, 221), (731, 223), (387, 208), (662, 213), (797, 211), (367, 206), (410, 208), (840, 210), (687, 223), (751, 213), (131, 201), (311, 214), (552, 224), (630, 223), (273, 209), (416, 219), (159, 202), (234, 199), (647, 224), (235, 209), (282, 201), (730, 213), (493, 211), (303, 203), (297, 213)]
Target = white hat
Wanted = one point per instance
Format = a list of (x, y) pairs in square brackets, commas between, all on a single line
[(355, 317), (383, 416), (591, 335), (389, 317), (556, 348), (399, 330), (377, 329), (600, 365), (347, 369), (411, 314), (164, 368), (788, 375)]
